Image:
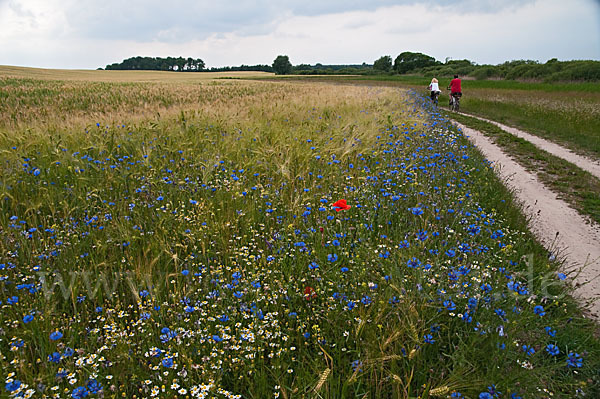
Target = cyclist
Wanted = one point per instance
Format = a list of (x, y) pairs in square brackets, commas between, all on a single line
[(435, 90), (455, 89)]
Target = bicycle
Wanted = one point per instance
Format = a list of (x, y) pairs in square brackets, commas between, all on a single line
[(435, 97), (455, 102)]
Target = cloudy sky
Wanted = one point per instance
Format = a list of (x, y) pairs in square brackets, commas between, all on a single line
[(93, 33)]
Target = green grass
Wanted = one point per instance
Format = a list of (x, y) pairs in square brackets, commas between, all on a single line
[(217, 258), (578, 187)]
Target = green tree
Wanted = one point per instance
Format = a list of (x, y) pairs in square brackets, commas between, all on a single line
[(383, 64), (408, 61), (282, 65)]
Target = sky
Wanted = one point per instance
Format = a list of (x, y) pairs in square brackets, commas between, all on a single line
[(87, 34)]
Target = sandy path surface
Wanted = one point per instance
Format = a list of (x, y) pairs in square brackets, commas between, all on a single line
[(588, 164), (578, 240)]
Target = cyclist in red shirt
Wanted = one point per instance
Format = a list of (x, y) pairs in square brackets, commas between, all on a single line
[(454, 87)]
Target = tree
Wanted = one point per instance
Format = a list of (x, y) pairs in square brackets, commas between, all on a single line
[(160, 64), (282, 65), (383, 64), (407, 62)]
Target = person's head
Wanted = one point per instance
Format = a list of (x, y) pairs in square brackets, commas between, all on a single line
[(455, 76), (434, 80)]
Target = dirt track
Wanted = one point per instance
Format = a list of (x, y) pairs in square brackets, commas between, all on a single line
[(590, 165), (559, 227)]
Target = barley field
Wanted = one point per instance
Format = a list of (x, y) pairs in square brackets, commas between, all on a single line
[(247, 239)]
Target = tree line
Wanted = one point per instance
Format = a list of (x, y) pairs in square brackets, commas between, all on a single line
[(178, 64), (553, 70), (422, 64), (405, 63)]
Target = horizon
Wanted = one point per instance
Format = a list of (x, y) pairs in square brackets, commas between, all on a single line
[(207, 69)]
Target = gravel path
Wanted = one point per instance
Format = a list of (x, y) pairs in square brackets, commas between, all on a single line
[(588, 164), (558, 227)]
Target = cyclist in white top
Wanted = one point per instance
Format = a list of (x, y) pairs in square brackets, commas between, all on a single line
[(434, 88)]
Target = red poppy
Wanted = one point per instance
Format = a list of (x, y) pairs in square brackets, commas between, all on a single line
[(309, 293), (340, 205)]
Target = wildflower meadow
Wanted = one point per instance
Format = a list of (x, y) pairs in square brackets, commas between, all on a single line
[(284, 241)]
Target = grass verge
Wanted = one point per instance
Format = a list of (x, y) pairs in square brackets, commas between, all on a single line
[(577, 187), (569, 124)]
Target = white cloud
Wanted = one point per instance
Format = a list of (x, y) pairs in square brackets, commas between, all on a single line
[(89, 34)]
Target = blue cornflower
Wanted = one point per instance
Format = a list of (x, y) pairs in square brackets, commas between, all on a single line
[(472, 303), (448, 304), (528, 349), (54, 357), (27, 318), (428, 339), (550, 331), (13, 385), (167, 362), (56, 335), (344, 269), (473, 229), (216, 338), (492, 390), (357, 364), (574, 360), (79, 393), (485, 395), (94, 386), (313, 266), (539, 310), (416, 210), (552, 350), (332, 257)]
